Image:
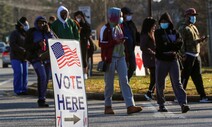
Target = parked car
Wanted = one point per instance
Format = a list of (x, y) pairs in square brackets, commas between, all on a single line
[(6, 57), (2, 46)]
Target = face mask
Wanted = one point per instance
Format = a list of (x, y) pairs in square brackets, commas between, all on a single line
[(193, 19), (129, 17), (164, 25), (121, 20), (78, 19), (26, 27)]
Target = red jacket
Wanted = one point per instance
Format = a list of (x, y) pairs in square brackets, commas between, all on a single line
[(107, 43)]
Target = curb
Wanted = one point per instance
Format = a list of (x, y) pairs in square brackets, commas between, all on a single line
[(116, 96)]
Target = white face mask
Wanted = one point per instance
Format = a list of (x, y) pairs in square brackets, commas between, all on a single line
[(78, 19), (129, 17), (25, 26)]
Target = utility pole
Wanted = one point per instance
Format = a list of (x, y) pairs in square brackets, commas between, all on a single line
[(105, 10), (150, 8), (209, 8)]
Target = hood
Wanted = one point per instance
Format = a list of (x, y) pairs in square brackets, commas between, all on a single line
[(114, 15), (42, 18), (61, 8), (167, 17)]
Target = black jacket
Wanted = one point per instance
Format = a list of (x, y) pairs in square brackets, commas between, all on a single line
[(168, 41), (17, 40), (165, 48)]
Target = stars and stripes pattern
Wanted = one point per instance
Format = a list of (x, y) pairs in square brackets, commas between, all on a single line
[(64, 55)]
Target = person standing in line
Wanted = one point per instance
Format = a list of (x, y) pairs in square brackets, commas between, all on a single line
[(112, 52), (168, 43), (91, 49), (36, 44), (51, 20), (191, 51), (147, 45), (85, 32), (130, 31), (18, 56), (64, 27)]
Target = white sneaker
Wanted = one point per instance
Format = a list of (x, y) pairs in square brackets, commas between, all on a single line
[(204, 100), (85, 76), (175, 100), (147, 97)]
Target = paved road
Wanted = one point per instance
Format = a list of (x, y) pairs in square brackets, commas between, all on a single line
[(22, 111)]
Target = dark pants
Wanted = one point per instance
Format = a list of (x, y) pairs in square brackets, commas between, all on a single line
[(43, 75), (131, 66), (163, 68), (90, 66), (192, 67), (84, 51), (152, 79)]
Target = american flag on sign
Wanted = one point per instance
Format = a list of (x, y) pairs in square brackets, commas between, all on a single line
[(64, 55)]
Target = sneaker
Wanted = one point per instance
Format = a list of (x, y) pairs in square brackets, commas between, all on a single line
[(175, 100), (42, 104), (162, 109), (85, 76), (109, 110), (148, 96), (133, 109), (185, 108), (204, 100)]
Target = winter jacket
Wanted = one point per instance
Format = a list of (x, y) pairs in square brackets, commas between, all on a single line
[(17, 40), (168, 41), (107, 43), (133, 35), (190, 34), (33, 37), (69, 31), (147, 46), (65, 29)]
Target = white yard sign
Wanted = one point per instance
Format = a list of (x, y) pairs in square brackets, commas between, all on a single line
[(140, 70), (68, 81)]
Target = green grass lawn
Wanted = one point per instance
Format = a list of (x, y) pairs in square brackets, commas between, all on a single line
[(140, 85)]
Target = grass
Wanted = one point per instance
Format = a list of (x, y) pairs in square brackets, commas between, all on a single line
[(140, 85)]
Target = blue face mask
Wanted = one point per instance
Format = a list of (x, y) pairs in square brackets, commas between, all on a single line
[(164, 25), (193, 19), (121, 20)]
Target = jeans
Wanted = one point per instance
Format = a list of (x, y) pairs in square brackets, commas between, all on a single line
[(20, 69), (119, 64)]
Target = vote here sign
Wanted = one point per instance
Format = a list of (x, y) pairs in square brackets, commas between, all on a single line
[(68, 83)]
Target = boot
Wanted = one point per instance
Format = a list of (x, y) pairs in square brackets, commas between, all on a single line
[(109, 110), (42, 104), (133, 109)]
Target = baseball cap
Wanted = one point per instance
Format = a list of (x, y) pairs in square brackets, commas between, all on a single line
[(190, 11), (126, 10)]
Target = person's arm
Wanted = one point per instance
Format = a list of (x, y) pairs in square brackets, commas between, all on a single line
[(13, 43), (75, 30)]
